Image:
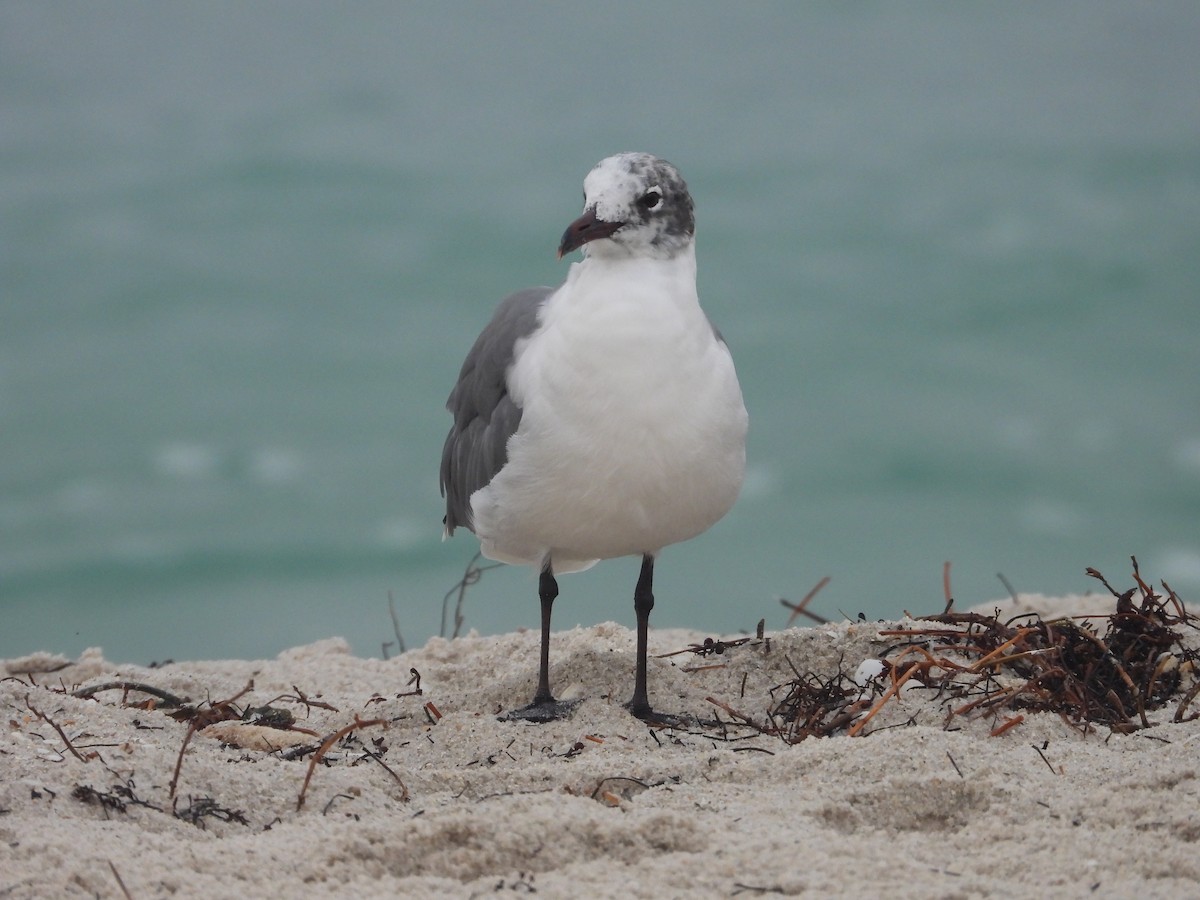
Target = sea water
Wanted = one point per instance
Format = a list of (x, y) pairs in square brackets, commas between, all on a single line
[(955, 249)]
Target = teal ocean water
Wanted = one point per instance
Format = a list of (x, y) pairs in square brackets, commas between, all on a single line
[(955, 249)]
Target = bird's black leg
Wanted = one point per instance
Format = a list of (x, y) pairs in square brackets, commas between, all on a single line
[(544, 707), (547, 591), (643, 602)]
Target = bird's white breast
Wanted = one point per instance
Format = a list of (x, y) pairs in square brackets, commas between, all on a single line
[(632, 434)]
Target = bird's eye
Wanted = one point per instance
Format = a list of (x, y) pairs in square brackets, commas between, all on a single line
[(651, 200)]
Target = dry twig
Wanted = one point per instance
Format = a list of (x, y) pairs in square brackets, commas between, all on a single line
[(329, 742)]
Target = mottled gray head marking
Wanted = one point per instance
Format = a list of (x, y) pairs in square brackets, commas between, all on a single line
[(635, 204)]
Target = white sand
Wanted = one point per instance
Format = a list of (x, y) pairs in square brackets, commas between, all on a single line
[(596, 806)]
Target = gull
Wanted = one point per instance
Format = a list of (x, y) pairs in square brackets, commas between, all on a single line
[(602, 418)]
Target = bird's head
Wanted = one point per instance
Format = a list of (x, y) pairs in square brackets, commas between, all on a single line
[(634, 204)]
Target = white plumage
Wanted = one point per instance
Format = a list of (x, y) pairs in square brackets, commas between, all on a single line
[(632, 434), (604, 418)]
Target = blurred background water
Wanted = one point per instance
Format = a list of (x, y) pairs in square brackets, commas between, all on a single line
[(954, 247)]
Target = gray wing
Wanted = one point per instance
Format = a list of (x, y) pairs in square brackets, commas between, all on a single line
[(485, 416)]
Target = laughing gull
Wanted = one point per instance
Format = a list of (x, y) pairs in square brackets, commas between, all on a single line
[(601, 418)]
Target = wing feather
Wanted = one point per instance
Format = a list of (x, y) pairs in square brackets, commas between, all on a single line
[(485, 416)]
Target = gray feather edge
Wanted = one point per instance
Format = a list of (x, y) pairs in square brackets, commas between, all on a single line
[(485, 416)]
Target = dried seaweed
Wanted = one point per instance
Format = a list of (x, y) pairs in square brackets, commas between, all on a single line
[(117, 798), (162, 699), (979, 666), (814, 706), (201, 808)]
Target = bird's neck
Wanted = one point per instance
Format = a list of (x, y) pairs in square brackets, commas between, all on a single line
[(672, 274)]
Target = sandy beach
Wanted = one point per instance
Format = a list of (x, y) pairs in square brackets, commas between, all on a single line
[(189, 779)]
